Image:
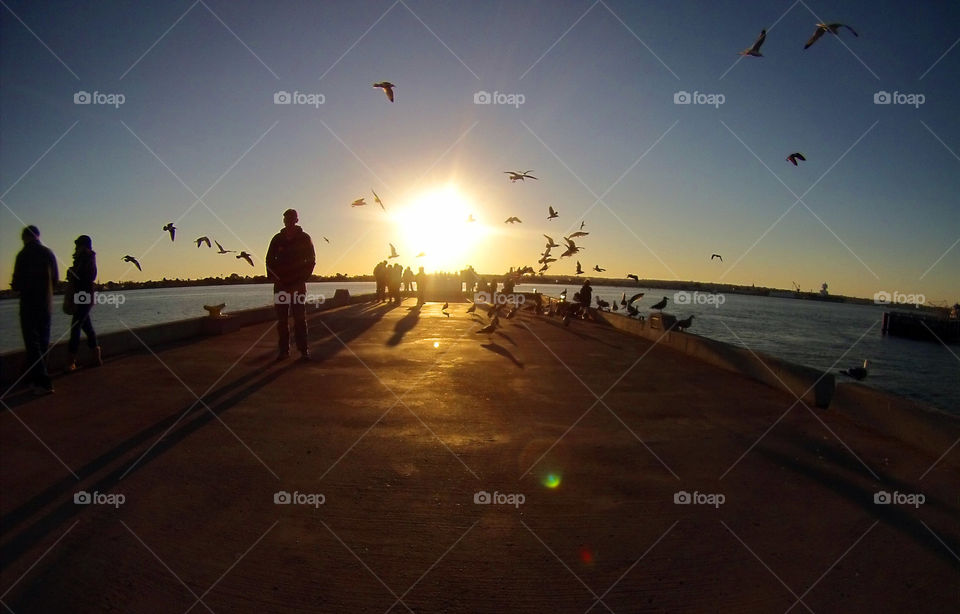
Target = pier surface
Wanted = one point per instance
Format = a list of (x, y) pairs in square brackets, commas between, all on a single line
[(587, 440)]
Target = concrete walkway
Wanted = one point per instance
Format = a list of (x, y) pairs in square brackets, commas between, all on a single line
[(383, 442)]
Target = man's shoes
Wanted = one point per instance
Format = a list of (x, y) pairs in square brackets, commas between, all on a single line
[(282, 356)]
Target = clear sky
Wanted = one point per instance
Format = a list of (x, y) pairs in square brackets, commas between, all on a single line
[(199, 140)]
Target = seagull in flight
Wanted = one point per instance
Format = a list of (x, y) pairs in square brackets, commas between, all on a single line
[(571, 248), (360, 202), (553, 213), (755, 50), (206, 240), (377, 200), (393, 251), (513, 220), (550, 242), (326, 239), (220, 247), (832, 28), (387, 88), (133, 260), (543, 268), (582, 224), (579, 233), (171, 229), (521, 175), (633, 277), (597, 268), (792, 158), (246, 257), (712, 256), (579, 270)]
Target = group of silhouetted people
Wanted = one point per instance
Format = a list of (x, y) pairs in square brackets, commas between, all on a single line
[(35, 275), (392, 280)]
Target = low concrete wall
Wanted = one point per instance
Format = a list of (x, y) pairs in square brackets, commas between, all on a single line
[(124, 341), (813, 386)]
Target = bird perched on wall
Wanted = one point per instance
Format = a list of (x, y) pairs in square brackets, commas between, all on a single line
[(659, 306), (857, 373), (684, 324)]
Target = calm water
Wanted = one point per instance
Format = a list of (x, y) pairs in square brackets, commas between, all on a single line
[(807, 332)]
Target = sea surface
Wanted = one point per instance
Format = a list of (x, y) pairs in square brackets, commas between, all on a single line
[(828, 336)]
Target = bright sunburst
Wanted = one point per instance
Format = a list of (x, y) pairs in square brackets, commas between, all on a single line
[(435, 222)]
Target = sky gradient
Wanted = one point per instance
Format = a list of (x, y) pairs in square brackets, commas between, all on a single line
[(661, 186)]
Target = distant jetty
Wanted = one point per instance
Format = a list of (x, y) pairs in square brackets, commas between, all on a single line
[(923, 327)]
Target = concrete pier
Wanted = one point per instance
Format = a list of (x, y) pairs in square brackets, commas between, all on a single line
[(415, 465)]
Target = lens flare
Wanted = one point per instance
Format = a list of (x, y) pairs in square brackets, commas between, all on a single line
[(586, 555), (552, 480), (436, 344)]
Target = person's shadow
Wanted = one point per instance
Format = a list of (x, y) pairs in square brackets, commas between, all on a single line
[(403, 326)]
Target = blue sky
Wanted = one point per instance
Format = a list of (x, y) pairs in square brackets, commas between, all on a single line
[(598, 119)]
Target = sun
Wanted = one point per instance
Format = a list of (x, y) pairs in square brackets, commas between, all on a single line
[(436, 223)]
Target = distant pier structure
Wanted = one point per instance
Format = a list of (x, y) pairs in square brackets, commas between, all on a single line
[(923, 327)]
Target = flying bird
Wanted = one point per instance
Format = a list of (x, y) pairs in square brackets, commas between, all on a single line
[(579, 233), (393, 251), (579, 270), (134, 261), (659, 306), (755, 50), (633, 277), (326, 239), (377, 200), (206, 240), (857, 373), (246, 257), (513, 220), (543, 268), (582, 224), (832, 28), (521, 175), (597, 268), (387, 88), (553, 214), (472, 308), (635, 297), (360, 202), (792, 158), (623, 298), (571, 248), (550, 242), (222, 251), (171, 229), (712, 256)]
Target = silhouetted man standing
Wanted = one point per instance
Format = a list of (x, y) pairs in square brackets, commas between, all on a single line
[(34, 275), (290, 261)]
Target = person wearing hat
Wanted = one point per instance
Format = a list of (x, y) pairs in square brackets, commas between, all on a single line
[(290, 261), (82, 275), (34, 274)]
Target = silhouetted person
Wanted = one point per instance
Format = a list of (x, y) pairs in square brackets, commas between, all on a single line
[(421, 278), (82, 274), (380, 276), (408, 278), (34, 275), (290, 261), (584, 296), (395, 281)]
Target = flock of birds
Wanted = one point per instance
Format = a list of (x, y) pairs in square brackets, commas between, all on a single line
[(204, 240)]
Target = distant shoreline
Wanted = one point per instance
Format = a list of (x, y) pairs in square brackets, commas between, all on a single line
[(690, 286)]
